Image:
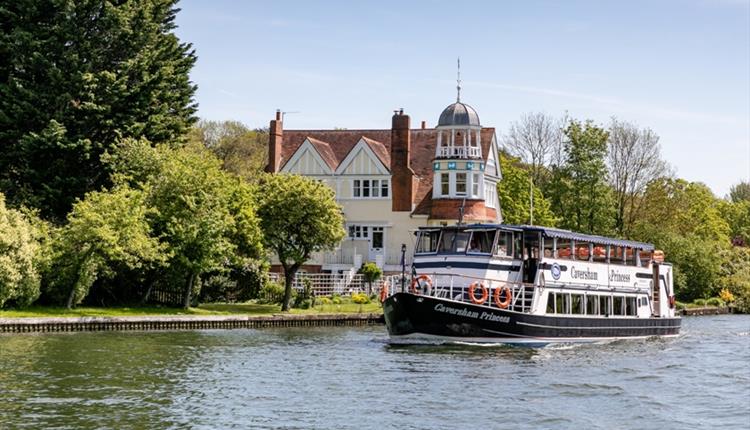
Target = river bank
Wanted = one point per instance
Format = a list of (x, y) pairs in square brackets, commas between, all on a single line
[(183, 322)]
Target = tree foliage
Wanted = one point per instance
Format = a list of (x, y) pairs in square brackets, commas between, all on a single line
[(370, 273), (513, 193), (205, 215), (241, 150), (19, 278), (298, 216), (536, 139), (107, 232), (579, 193), (685, 220), (633, 159), (76, 76), (740, 192)]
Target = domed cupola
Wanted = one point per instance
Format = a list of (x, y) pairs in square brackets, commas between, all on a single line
[(459, 114)]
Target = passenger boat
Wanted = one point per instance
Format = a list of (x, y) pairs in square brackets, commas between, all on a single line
[(530, 285)]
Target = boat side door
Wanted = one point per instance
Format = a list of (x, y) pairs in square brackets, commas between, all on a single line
[(531, 247)]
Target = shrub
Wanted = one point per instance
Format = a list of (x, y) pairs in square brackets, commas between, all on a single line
[(360, 298), (699, 302), (325, 301), (19, 279), (272, 292), (336, 299), (715, 301), (371, 273)]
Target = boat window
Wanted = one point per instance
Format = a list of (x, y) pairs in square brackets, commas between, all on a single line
[(604, 307), (481, 241), (617, 305), (551, 303), (582, 251), (517, 248), (504, 244), (630, 256), (615, 255), (531, 243), (591, 302), (428, 241), (549, 247), (453, 241), (630, 308), (645, 258), (600, 253), (563, 249), (576, 304), (560, 305)]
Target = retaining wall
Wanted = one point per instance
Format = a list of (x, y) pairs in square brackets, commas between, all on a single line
[(65, 324)]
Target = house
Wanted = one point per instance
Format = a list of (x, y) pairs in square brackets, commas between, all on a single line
[(390, 182)]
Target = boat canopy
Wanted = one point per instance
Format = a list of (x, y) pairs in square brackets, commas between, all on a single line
[(557, 233)]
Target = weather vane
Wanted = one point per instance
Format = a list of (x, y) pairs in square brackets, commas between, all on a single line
[(458, 81)]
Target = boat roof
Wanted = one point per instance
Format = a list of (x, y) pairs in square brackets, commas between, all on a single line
[(555, 233)]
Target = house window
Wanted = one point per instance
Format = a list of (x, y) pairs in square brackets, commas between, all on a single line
[(475, 185), (445, 184), (461, 184), (358, 231), (490, 198), (370, 188)]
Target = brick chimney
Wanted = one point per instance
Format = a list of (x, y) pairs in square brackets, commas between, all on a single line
[(275, 137), (402, 176)]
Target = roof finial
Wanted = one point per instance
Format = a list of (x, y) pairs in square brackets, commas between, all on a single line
[(458, 81)]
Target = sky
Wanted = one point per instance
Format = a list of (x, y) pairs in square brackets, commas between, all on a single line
[(681, 68)]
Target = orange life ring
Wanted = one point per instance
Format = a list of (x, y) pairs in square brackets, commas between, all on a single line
[(485, 293), (415, 283), (384, 291), (505, 303)]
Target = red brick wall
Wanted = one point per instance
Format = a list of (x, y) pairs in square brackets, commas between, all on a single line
[(474, 210), (275, 137), (402, 176)]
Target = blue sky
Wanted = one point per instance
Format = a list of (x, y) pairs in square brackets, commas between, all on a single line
[(681, 68)]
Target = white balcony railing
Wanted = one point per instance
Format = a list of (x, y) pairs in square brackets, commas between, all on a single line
[(460, 152)]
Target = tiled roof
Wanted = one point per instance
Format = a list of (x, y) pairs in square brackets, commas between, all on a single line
[(335, 145)]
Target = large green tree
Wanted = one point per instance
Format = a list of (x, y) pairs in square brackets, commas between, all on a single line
[(579, 193), (77, 75), (685, 220), (205, 216), (298, 216), (513, 192)]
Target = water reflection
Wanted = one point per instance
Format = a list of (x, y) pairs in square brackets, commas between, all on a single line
[(351, 378)]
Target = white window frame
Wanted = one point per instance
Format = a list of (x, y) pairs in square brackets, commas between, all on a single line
[(374, 191)]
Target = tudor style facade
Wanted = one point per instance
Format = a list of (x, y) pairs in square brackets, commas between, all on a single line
[(390, 182)]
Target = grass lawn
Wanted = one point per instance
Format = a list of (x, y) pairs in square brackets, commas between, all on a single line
[(205, 309)]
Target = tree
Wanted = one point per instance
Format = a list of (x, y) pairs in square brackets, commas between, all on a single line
[(534, 139), (299, 216), (634, 159), (371, 273), (685, 220), (19, 278), (105, 230), (76, 76), (740, 191), (513, 192), (241, 150), (206, 216), (578, 191)]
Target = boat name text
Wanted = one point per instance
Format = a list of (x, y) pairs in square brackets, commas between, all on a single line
[(463, 312), (583, 274), (619, 277)]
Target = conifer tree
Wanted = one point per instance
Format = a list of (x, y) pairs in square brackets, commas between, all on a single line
[(76, 76)]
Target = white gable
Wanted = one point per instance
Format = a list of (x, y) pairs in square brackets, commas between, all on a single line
[(362, 161), (492, 168), (307, 161)]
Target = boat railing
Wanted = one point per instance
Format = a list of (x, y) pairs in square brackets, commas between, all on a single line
[(487, 292)]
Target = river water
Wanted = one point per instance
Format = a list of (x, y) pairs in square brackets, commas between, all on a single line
[(350, 378)]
